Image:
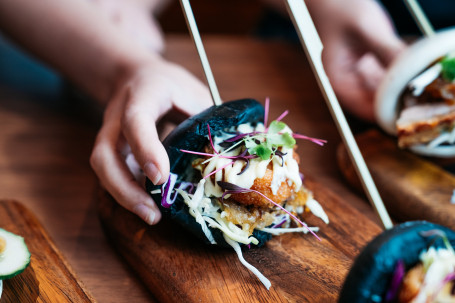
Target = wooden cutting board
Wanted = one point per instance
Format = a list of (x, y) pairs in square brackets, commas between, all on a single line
[(48, 278), (412, 187), (178, 268)]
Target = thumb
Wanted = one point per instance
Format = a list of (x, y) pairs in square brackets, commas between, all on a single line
[(145, 105)]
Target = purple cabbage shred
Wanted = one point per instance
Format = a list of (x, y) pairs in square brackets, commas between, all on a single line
[(395, 284)]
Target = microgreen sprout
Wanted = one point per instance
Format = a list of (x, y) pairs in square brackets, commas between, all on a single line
[(210, 138), (266, 110), (286, 112), (256, 144), (448, 68)]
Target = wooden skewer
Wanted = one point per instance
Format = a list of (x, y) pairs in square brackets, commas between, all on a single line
[(419, 17), (192, 26), (313, 48)]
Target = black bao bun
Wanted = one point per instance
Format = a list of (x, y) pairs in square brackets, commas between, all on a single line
[(192, 135), (370, 276)]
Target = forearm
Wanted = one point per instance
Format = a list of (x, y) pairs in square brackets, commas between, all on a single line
[(75, 39)]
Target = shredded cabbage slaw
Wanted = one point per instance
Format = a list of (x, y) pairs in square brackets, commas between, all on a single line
[(205, 206)]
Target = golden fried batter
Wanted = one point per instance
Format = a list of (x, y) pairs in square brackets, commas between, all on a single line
[(263, 185), (248, 218), (412, 283)]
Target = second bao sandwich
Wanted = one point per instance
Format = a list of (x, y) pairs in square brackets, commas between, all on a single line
[(416, 100)]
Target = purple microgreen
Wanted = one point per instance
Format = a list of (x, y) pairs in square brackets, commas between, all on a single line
[(234, 189), (217, 170), (210, 138), (395, 283), (280, 154), (284, 114), (226, 144), (197, 153), (320, 142), (231, 187), (266, 111), (241, 136), (247, 164), (433, 232), (218, 155), (236, 138), (221, 155)]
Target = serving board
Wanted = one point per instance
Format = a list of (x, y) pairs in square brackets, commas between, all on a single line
[(176, 267), (48, 278), (412, 187)]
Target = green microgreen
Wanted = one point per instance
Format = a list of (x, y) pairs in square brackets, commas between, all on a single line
[(258, 144), (261, 150), (448, 68)]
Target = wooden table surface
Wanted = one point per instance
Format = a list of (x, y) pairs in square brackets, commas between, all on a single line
[(45, 150)]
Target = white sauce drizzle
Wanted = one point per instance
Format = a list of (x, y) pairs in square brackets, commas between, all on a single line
[(317, 210), (257, 167)]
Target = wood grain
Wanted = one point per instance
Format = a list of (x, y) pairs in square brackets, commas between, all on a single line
[(48, 278), (176, 267), (46, 144), (412, 187)]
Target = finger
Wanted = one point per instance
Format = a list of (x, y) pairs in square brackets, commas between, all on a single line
[(139, 128), (193, 96), (115, 176), (370, 72), (379, 35), (349, 85), (183, 92)]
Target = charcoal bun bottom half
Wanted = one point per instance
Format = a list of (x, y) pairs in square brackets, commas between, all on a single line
[(370, 276), (192, 135)]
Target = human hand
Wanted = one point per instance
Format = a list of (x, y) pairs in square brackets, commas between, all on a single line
[(359, 43), (135, 19), (141, 99)]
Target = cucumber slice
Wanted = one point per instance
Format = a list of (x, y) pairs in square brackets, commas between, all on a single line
[(15, 257)]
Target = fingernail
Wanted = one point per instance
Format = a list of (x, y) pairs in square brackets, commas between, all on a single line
[(152, 172), (146, 213)]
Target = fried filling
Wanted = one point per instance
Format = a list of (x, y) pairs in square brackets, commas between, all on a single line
[(427, 109)]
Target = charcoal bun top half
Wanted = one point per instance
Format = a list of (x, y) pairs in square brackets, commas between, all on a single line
[(370, 276), (192, 135)]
